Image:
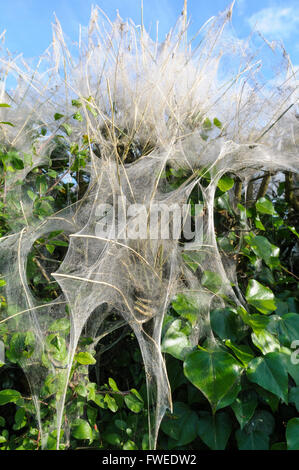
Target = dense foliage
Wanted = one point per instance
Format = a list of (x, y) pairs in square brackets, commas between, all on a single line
[(238, 389)]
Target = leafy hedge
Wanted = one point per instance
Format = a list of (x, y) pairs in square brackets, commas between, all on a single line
[(239, 391)]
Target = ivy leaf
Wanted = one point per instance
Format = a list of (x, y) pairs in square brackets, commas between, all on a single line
[(255, 435), (181, 425), (215, 431), (225, 323), (186, 307), (286, 327), (176, 341), (265, 341), (265, 250), (211, 281), (244, 406), (243, 352), (252, 441), (290, 365), (216, 374), (292, 434), (261, 297), (265, 206), (258, 223), (270, 373)]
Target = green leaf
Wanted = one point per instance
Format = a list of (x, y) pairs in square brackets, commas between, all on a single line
[(81, 430), (50, 248), (225, 323), (294, 397), (181, 425), (255, 435), (20, 419), (258, 223), (112, 384), (9, 396), (290, 365), (67, 128), (216, 374), (225, 183), (77, 116), (214, 431), (265, 250), (61, 324), (76, 103), (134, 401), (279, 446), (7, 123), (186, 306), (21, 345), (4, 105), (111, 403), (31, 195), (211, 281), (85, 358), (121, 424), (99, 400), (58, 116), (261, 297), (130, 445), (292, 434), (243, 352), (207, 125), (217, 123), (176, 341), (244, 406), (265, 206), (17, 163), (286, 327), (270, 373), (112, 438), (252, 440), (256, 322), (265, 341), (292, 229)]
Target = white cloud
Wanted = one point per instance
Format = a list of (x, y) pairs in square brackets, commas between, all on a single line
[(276, 22)]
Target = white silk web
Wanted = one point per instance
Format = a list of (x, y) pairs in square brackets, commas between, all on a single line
[(143, 107)]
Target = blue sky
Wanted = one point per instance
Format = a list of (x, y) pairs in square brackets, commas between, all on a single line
[(28, 22)]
